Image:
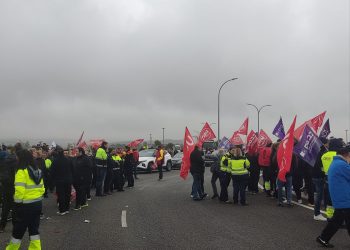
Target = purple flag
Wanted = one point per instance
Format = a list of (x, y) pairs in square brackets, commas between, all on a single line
[(279, 130), (225, 143), (326, 130), (308, 147)]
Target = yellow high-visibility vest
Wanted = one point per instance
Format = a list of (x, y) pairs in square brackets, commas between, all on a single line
[(26, 190)]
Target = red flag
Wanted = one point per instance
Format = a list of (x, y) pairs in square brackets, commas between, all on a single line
[(252, 142), (243, 129), (285, 152), (206, 134), (236, 139), (187, 150), (314, 123), (96, 143), (79, 141), (263, 139), (82, 145), (135, 143)]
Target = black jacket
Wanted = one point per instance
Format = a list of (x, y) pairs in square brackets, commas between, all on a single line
[(82, 170), (61, 170), (197, 162), (317, 170), (8, 165)]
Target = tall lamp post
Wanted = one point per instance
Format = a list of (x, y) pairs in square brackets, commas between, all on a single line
[(258, 110), (222, 85), (163, 135)]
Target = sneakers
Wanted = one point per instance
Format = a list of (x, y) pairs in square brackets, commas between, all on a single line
[(300, 201), (89, 198), (63, 213), (77, 208), (85, 205), (323, 243), (320, 218)]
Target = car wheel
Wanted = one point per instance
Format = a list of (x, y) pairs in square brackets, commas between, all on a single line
[(149, 167), (168, 166)]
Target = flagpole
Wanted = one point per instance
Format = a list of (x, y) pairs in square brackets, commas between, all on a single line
[(222, 85)]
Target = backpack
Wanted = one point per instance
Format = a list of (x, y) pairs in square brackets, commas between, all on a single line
[(264, 158)]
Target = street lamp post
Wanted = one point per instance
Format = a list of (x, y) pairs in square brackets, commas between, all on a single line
[(258, 110), (346, 135), (222, 85), (163, 135)]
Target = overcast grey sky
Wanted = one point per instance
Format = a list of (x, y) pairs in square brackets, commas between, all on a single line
[(123, 69)]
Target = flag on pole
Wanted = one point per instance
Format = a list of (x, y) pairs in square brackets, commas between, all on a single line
[(243, 129), (308, 147), (326, 130), (279, 130), (135, 143), (79, 141), (263, 139), (252, 142), (236, 139), (206, 134), (314, 123), (96, 143), (285, 152), (225, 143), (187, 150)]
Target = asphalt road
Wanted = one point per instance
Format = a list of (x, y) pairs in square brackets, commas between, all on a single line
[(161, 215)]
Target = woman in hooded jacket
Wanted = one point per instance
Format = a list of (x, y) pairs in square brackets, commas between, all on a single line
[(29, 190)]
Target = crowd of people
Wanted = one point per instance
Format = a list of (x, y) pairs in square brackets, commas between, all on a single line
[(327, 182), (27, 176)]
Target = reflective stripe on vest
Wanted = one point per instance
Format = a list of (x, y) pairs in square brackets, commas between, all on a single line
[(238, 166), (26, 190), (224, 168)]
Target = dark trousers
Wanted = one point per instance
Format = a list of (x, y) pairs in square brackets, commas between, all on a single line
[(80, 190), (309, 184), (26, 216), (108, 180), (254, 178), (297, 182), (239, 183), (197, 186), (88, 190), (135, 170), (340, 215), (100, 180), (129, 176), (225, 179), (214, 178), (63, 191), (118, 180), (7, 190), (160, 170)]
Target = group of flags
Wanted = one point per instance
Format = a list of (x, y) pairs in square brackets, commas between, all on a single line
[(306, 146)]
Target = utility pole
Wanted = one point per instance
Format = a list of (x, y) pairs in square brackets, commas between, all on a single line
[(163, 135), (346, 135), (150, 139)]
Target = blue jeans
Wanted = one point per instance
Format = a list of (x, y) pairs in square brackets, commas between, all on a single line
[(319, 187), (100, 179), (196, 186), (288, 185)]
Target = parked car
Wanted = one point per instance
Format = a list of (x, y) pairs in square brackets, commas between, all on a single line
[(177, 160), (210, 158), (147, 160)]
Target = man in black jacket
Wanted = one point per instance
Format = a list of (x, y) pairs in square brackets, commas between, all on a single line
[(61, 171), (197, 170), (8, 164)]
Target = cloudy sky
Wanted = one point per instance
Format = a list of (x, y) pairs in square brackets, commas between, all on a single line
[(122, 69)]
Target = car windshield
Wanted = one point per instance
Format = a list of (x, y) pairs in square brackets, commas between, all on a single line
[(178, 155), (146, 153)]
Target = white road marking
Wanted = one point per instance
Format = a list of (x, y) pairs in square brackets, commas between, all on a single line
[(123, 219), (296, 203)]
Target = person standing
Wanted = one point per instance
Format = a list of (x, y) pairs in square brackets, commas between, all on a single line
[(215, 169), (160, 161), (254, 173), (128, 166), (339, 189), (101, 168), (136, 161), (109, 174), (264, 161), (225, 175), (197, 169), (318, 179), (238, 166), (28, 196), (62, 176), (82, 166), (8, 164), (117, 173)]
